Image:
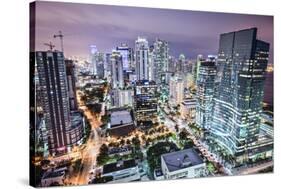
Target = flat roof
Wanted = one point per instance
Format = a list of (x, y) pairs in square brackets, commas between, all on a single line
[(182, 159), (120, 117), (117, 166)]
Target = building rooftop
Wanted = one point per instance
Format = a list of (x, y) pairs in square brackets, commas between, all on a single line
[(120, 117), (117, 166), (181, 159), (53, 174)]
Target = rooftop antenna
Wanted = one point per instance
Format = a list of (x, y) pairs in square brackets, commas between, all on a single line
[(60, 35), (50, 45)]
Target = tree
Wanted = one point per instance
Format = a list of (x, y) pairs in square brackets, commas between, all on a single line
[(177, 128), (104, 149), (183, 134), (154, 153)]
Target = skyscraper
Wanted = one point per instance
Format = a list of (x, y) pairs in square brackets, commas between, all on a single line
[(53, 83), (176, 88), (70, 74), (205, 93), (196, 66), (94, 50), (117, 70), (141, 50), (161, 59), (127, 56), (242, 62), (145, 102)]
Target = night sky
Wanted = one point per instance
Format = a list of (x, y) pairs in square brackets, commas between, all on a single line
[(188, 32)]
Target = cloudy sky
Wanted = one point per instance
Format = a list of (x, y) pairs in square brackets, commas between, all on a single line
[(188, 32)]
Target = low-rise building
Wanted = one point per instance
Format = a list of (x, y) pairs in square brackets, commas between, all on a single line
[(188, 109), (122, 171), (53, 177), (121, 123), (182, 164)]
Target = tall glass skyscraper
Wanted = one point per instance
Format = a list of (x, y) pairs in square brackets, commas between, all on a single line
[(205, 93), (160, 58), (117, 70), (54, 93), (142, 64), (242, 62)]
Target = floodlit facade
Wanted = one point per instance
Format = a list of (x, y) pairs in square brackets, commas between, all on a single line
[(242, 62), (145, 101), (205, 93), (142, 63), (160, 59), (53, 83), (117, 70), (176, 87)]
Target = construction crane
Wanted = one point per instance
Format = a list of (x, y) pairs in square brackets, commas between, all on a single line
[(60, 35), (50, 45)]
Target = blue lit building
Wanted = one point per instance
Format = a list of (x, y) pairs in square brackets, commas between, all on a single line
[(242, 63), (205, 93)]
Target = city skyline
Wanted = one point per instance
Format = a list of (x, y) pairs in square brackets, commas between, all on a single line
[(143, 109), (109, 26)]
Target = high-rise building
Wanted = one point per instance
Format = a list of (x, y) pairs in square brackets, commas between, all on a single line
[(181, 63), (70, 74), (161, 59), (145, 102), (196, 67), (122, 97), (100, 60), (94, 51), (205, 93), (176, 88), (54, 91), (142, 64), (107, 66), (242, 62), (151, 65), (117, 70), (127, 56)]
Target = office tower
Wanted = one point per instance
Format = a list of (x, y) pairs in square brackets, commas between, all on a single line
[(121, 98), (151, 65), (196, 66), (70, 74), (181, 63), (145, 102), (53, 83), (171, 64), (107, 66), (94, 51), (176, 89), (100, 60), (117, 70), (141, 48), (242, 62), (205, 93), (127, 56), (160, 59)]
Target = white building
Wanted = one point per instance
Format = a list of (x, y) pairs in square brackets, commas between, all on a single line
[(121, 98), (53, 177), (122, 171), (182, 164), (142, 63), (176, 86), (188, 109)]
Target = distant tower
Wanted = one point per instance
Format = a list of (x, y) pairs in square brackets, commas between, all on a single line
[(117, 70), (205, 93), (142, 64), (161, 59)]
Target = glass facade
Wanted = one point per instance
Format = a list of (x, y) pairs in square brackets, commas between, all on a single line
[(242, 62)]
